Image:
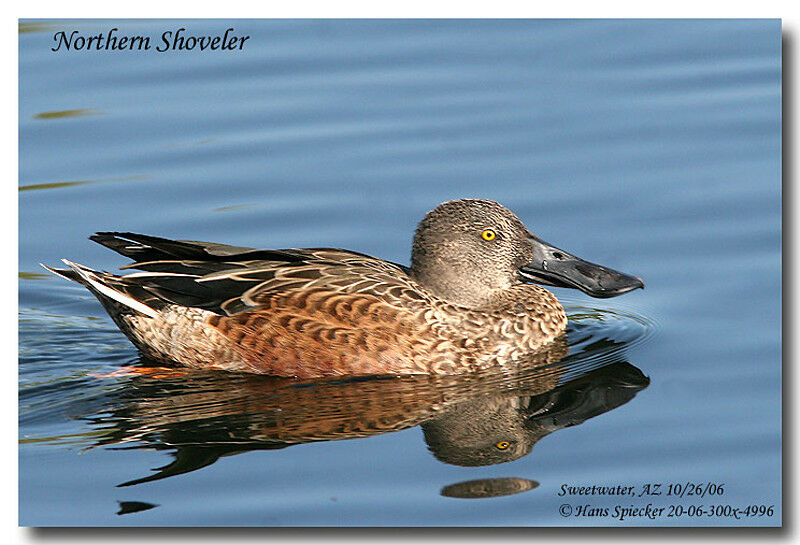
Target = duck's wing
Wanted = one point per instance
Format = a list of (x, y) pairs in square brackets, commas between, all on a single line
[(232, 279)]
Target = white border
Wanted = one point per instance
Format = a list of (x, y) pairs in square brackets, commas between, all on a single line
[(788, 11)]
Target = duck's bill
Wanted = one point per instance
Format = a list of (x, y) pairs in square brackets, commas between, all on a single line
[(554, 267)]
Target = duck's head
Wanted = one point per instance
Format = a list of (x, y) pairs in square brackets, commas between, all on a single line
[(466, 250)]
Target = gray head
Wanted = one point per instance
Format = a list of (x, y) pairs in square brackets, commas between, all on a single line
[(466, 251), (483, 431)]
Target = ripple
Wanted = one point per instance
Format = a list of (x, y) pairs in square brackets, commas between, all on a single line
[(598, 337)]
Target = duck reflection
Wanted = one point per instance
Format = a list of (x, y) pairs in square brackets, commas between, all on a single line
[(486, 418), (489, 488), (504, 426)]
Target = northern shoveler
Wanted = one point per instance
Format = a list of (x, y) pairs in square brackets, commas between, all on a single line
[(465, 302)]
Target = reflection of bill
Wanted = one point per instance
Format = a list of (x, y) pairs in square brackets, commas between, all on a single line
[(486, 418), (497, 428)]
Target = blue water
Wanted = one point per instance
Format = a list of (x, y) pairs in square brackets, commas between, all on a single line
[(649, 146)]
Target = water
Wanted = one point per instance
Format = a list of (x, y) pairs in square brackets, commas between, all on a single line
[(649, 146)]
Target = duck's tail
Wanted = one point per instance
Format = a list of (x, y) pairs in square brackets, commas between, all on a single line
[(110, 289)]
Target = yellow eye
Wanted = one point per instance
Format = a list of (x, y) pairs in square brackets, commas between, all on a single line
[(488, 234), (502, 445)]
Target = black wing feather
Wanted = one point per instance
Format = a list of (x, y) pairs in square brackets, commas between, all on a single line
[(216, 277)]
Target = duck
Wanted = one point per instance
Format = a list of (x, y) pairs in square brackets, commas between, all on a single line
[(472, 298)]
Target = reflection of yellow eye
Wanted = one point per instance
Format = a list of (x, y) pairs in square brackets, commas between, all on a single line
[(502, 445), (489, 235)]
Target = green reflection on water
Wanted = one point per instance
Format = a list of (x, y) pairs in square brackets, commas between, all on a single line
[(61, 114), (52, 185), (26, 28), (56, 185), (32, 275), (234, 207)]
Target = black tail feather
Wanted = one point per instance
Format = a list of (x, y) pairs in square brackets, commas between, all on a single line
[(147, 248), (69, 274)]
